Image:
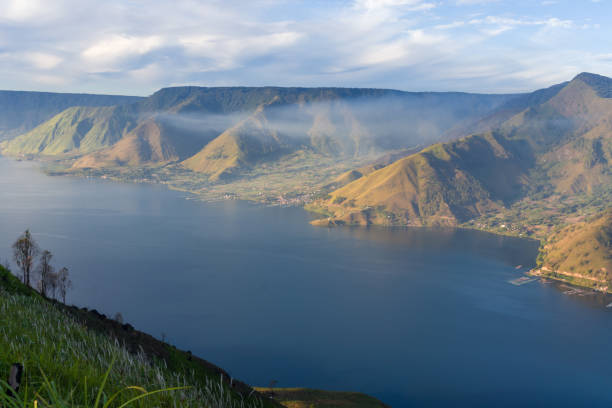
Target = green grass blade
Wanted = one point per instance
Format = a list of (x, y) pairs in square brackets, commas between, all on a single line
[(151, 393), (101, 390)]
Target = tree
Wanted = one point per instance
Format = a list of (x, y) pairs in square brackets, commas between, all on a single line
[(45, 270), (52, 285), (63, 283), (25, 250)]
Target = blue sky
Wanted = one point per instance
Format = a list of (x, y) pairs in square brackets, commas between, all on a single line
[(138, 46)]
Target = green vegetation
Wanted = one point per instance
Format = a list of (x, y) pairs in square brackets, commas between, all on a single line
[(75, 130), (77, 358), (22, 111), (67, 363)]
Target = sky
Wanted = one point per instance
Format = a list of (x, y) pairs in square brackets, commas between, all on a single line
[(134, 47)]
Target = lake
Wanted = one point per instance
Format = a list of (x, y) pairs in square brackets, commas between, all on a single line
[(415, 317)]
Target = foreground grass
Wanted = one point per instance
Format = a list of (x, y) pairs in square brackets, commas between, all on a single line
[(67, 365)]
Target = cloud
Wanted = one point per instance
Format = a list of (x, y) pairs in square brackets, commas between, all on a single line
[(380, 4), (138, 46), (474, 2), (42, 60), (117, 47)]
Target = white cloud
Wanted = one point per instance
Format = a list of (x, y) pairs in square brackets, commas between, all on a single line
[(116, 47), (24, 10), (474, 2), (378, 4), (43, 60), (454, 24), (138, 46)]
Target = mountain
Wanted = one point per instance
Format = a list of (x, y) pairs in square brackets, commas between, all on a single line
[(580, 253), (250, 141), (441, 185), (22, 111), (562, 145), (75, 130), (224, 131), (153, 141)]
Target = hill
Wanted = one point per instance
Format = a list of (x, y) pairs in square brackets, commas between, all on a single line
[(75, 130), (69, 351), (338, 122), (252, 140), (580, 253), (154, 141), (562, 145), (537, 171), (445, 184), (21, 111)]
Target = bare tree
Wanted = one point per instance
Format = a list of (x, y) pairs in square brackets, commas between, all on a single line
[(63, 283), (45, 270), (25, 250), (52, 285)]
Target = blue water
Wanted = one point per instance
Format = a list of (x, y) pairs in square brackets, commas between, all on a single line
[(415, 317)]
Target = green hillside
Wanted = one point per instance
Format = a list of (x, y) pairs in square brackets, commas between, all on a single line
[(75, 130), (71, 355), (21, 111), (73, 349)]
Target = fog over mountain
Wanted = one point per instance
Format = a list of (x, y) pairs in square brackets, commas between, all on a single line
[(224, 130)]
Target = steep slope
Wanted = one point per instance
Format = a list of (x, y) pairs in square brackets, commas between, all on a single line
[(250, 141), (562, 145), (504, 112), (580, 253), (22, 111), (75, 130), (382, 161), (335, 122), (442, 185), (74, 347), (154, 141)]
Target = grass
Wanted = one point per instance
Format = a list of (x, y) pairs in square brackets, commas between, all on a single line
[(68, 365)]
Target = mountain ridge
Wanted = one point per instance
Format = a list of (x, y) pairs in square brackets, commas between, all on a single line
[(555, 151)]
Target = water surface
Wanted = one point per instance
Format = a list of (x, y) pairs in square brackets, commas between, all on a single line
[(415, 317)]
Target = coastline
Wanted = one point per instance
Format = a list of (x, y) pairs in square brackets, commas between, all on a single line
[(324, 218)]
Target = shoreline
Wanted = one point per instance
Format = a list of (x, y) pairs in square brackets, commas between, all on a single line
[(315, 211)]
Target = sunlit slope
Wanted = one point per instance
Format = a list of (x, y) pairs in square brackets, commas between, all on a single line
[(152, 142), (76, 130), (562, 145), (251, 141), (21, 111), (333, 122), (382, 161), (581, 253), (442, 185)]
